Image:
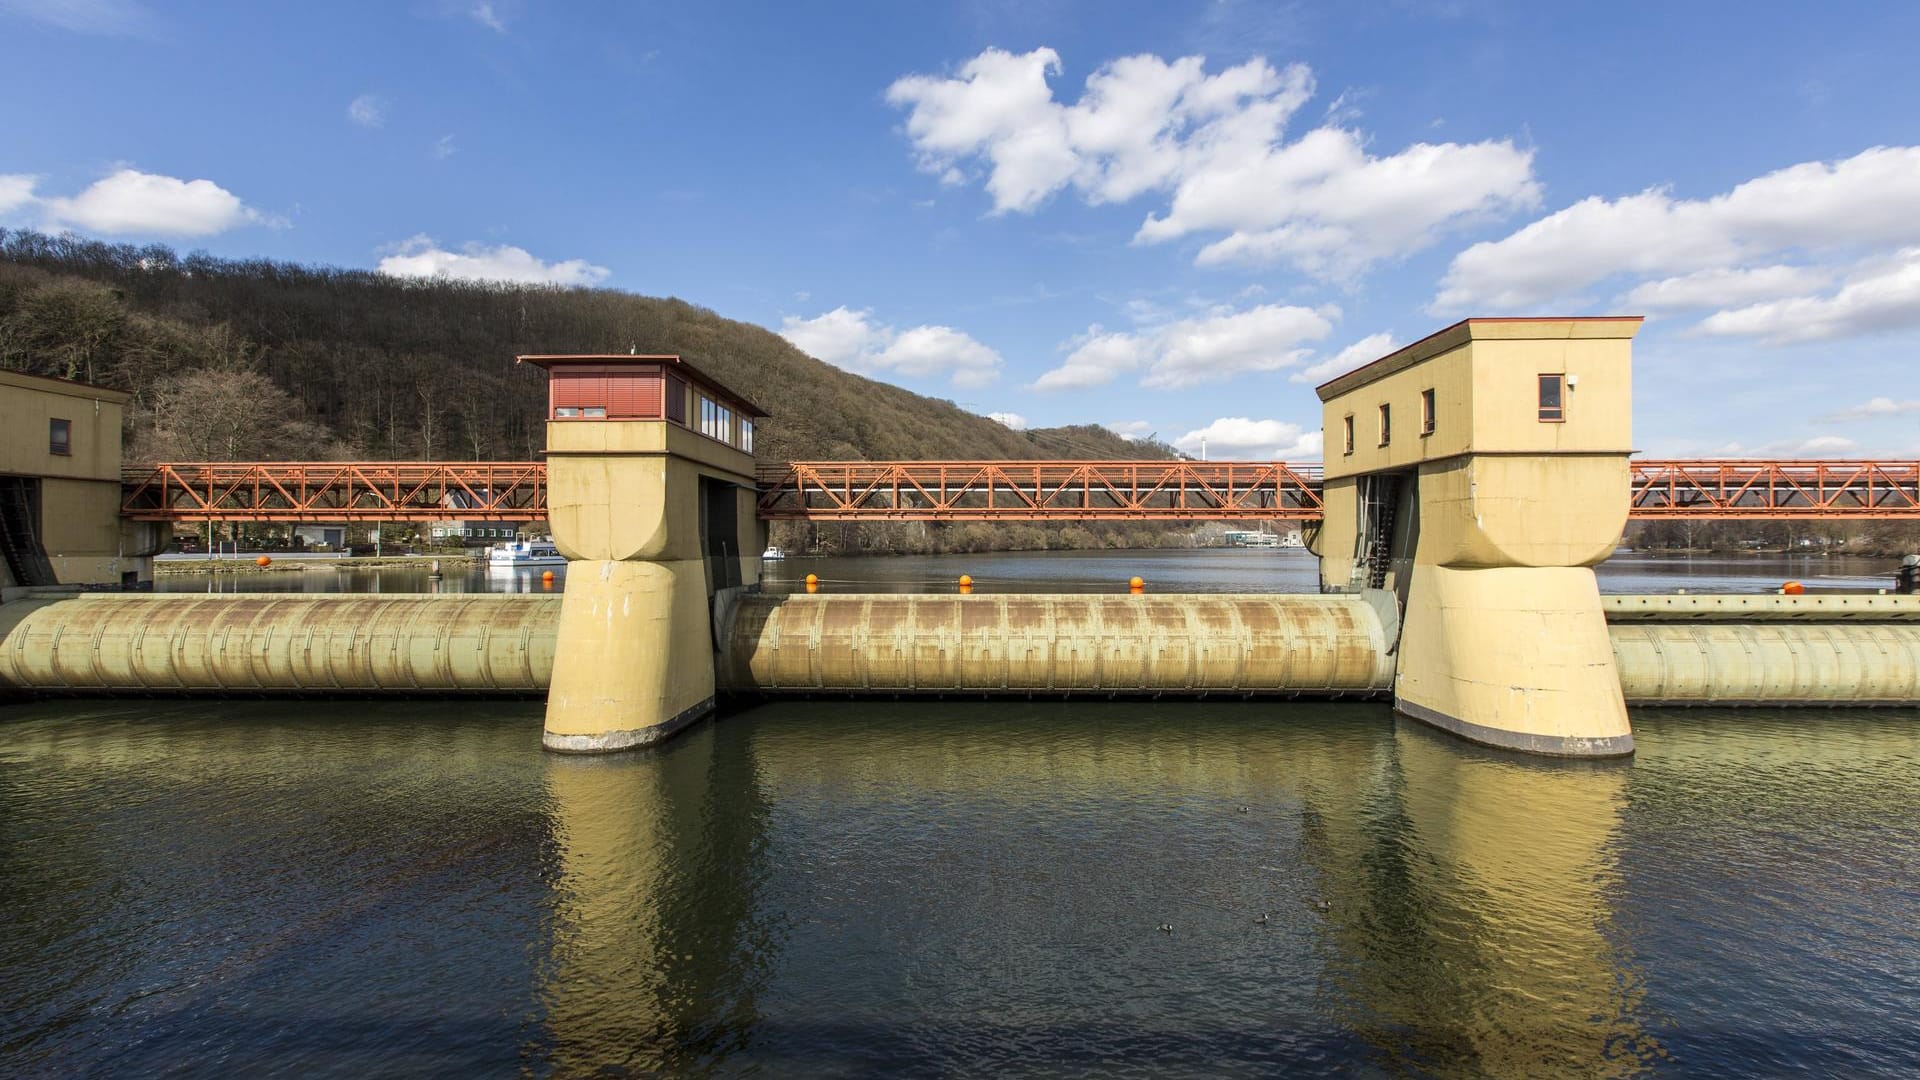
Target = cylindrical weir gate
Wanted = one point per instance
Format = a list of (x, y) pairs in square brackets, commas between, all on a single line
[(1055, 644), (1769, 650)]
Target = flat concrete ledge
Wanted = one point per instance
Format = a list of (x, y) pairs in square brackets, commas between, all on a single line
[(612, 742), (1565, 746)]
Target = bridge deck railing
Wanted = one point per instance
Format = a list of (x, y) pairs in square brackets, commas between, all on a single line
[(1166, 490)]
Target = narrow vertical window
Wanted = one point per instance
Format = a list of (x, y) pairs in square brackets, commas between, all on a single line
[(1553, 408), (60, 437), (1386, 424), (1349, 427), (746, 435), (1426, 412)]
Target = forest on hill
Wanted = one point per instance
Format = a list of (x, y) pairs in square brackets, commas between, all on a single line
[(260, 360)]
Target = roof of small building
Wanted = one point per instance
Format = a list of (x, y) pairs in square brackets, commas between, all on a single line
[(693, 374), (1452, 337), (73, 387)]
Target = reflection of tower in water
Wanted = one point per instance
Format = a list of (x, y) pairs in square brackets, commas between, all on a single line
[(1469, 928), (653, 966)]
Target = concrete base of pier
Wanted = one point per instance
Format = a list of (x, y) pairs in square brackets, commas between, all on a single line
[(637, 665), (1516, 657)]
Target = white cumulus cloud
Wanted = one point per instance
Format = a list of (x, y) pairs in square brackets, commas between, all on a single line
[(1133, 430), (1718, 288), (855, 341), (368, 111), (1237, 437), (16, 191), (130, 201), (1819, 446), (420, 257), (1215, 146), (1209, 348), (1365, 351), (1009, 419), (1874, 408), (1762, 241), (1878, 297)]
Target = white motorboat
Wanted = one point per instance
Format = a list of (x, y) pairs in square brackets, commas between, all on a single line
[(524, 553), (773, 553)]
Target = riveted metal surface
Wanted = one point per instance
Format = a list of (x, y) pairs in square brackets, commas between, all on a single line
[(1055, 644), (269, 644), (1768, 662), (1760, 607)]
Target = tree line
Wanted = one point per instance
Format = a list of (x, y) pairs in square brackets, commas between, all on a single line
[(255, 359)]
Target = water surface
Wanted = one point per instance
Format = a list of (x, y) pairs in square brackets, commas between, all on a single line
[(952, 889)]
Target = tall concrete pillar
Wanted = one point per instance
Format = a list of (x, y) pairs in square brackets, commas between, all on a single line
[(651, 497), (1481, 473)]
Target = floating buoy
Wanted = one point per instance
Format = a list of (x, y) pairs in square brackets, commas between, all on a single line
[(966, 581), (1134, 584), (547, 576), (263, 562), (813, 579), (1792, 588)]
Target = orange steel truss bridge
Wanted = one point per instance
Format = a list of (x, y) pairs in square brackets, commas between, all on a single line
[(515, 491)]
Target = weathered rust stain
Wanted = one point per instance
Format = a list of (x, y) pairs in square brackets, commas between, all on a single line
[(1055, 645)]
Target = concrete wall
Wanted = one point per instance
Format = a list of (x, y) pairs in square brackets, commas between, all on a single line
[(28, 402), (80, 529)]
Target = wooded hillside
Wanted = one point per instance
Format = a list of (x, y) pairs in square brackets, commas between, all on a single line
[(385, 367), (254, 359)]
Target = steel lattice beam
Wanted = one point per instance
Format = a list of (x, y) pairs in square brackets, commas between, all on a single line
[(337, 491), (1775, 489), (511, 491), (1039, 490)]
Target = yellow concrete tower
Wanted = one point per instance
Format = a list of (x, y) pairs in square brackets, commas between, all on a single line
[(651, 496), (1480, 474)]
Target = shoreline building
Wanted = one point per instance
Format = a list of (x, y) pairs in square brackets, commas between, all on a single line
[(60, 491)]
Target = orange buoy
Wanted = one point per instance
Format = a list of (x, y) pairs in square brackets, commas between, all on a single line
[(546, 575), (966, 581), (1135, 583), (813, 579), (263, 561), (1792, 588), (812, 586)]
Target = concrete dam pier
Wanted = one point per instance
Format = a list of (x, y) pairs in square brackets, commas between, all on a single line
[(1670, 650)]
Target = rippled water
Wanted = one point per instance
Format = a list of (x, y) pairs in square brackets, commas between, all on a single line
[(884, 889)]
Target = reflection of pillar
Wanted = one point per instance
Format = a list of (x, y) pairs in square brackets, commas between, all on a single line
[(654, 516), (1467, 474), (1505, 872), (652, 968)]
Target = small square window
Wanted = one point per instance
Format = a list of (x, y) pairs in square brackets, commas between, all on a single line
[(60, 437), (1349, 431), (1386, 424), (1553, 409), (1426, 412)]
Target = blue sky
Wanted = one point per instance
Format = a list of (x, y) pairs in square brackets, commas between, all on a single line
[(1166, 218)]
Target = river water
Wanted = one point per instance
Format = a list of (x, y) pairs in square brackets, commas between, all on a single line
[(959, 888)]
